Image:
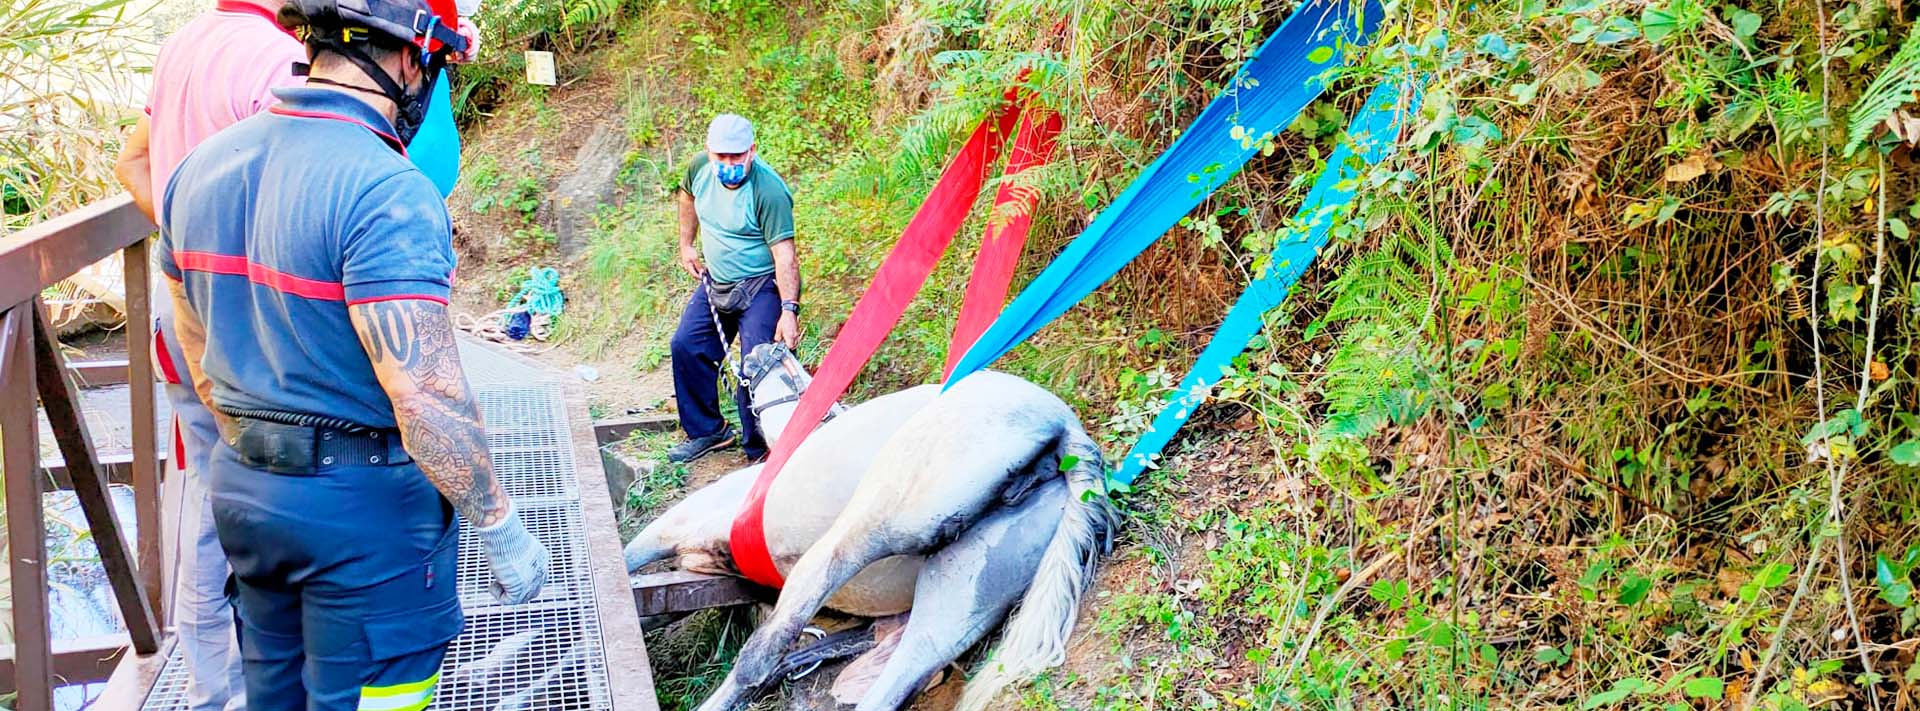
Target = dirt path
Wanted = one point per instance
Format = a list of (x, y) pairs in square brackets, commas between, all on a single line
[(613, 388)]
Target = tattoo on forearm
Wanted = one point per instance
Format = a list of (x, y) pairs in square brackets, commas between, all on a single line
[(451, 447), (395, 327), (441, 426)]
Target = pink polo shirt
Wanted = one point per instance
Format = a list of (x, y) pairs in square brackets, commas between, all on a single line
[(219, 69)]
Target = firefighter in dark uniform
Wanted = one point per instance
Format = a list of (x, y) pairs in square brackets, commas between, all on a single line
[(309, 263)]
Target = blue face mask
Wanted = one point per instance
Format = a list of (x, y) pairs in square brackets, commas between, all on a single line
[(730, 175)]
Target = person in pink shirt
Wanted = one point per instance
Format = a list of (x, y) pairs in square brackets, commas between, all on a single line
[(219, 69)]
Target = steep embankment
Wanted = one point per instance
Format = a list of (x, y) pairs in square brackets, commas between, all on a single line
[(1604, 398)]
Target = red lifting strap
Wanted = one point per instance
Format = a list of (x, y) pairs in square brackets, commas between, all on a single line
[(895, 284), (1006, 235)]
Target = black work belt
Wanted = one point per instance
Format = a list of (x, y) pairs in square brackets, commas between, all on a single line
[(308, 449)]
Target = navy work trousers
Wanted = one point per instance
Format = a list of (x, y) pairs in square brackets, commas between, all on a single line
[(345, 583), (698, 348)]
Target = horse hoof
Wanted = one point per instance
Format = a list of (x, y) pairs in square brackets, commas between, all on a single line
[(755, 672), (802, 670)]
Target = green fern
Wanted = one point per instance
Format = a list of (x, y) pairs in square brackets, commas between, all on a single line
[(1380, 374), (581, 13), (1895, 86), (1381, 285), (932, 137)]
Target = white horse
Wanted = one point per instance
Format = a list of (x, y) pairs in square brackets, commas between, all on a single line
[(954, 506)]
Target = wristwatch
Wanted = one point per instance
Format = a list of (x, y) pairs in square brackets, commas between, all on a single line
[(792, 307)]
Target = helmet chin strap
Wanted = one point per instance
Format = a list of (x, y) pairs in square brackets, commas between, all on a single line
[(410, 109)]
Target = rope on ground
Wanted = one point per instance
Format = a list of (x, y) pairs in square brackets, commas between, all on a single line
[(498, 326), (529, 314), (541, 292)]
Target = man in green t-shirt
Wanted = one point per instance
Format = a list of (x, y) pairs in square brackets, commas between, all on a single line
[(749, 279)]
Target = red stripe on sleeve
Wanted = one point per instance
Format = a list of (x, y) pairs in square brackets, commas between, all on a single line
[(399, 297)]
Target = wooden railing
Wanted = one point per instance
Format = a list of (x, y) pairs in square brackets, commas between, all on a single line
[(32, 368)]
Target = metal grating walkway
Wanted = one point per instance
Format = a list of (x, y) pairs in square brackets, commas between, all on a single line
[(548, 654)]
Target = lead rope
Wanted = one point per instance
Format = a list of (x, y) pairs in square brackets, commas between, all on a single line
[(738, 372)]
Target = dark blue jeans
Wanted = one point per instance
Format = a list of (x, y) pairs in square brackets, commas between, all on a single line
[(697, 350)]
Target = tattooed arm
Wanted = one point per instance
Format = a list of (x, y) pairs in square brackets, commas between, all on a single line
[(411, 344)]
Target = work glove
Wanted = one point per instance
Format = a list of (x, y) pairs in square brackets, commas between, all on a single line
[(519, 561)]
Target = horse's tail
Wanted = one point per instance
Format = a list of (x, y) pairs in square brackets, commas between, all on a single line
[(1036, 634)]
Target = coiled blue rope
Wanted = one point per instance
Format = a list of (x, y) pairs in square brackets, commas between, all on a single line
[(541, 292)]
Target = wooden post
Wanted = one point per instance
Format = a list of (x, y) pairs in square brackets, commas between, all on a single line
[(62, 401), (26, 526), (146, 476)]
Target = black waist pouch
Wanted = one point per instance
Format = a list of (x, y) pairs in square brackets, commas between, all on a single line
[(734, 297)]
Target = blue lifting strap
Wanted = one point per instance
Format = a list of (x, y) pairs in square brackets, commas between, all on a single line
[(1374, 133), (1289, 71)]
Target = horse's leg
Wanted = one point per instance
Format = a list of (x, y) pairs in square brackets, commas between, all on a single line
[(947, 484), (954, 462), (965, 591), (944, 471), (699, 523), (655, 542), (842, 553)]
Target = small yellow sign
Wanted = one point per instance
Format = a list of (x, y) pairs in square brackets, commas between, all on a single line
[(540, 68)]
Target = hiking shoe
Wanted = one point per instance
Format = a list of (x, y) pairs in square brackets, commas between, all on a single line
[(700, 446)]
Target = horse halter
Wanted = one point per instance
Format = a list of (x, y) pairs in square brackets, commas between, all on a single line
[(779, 361)]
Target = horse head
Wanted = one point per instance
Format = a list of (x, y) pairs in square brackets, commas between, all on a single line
[(775, 380)]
